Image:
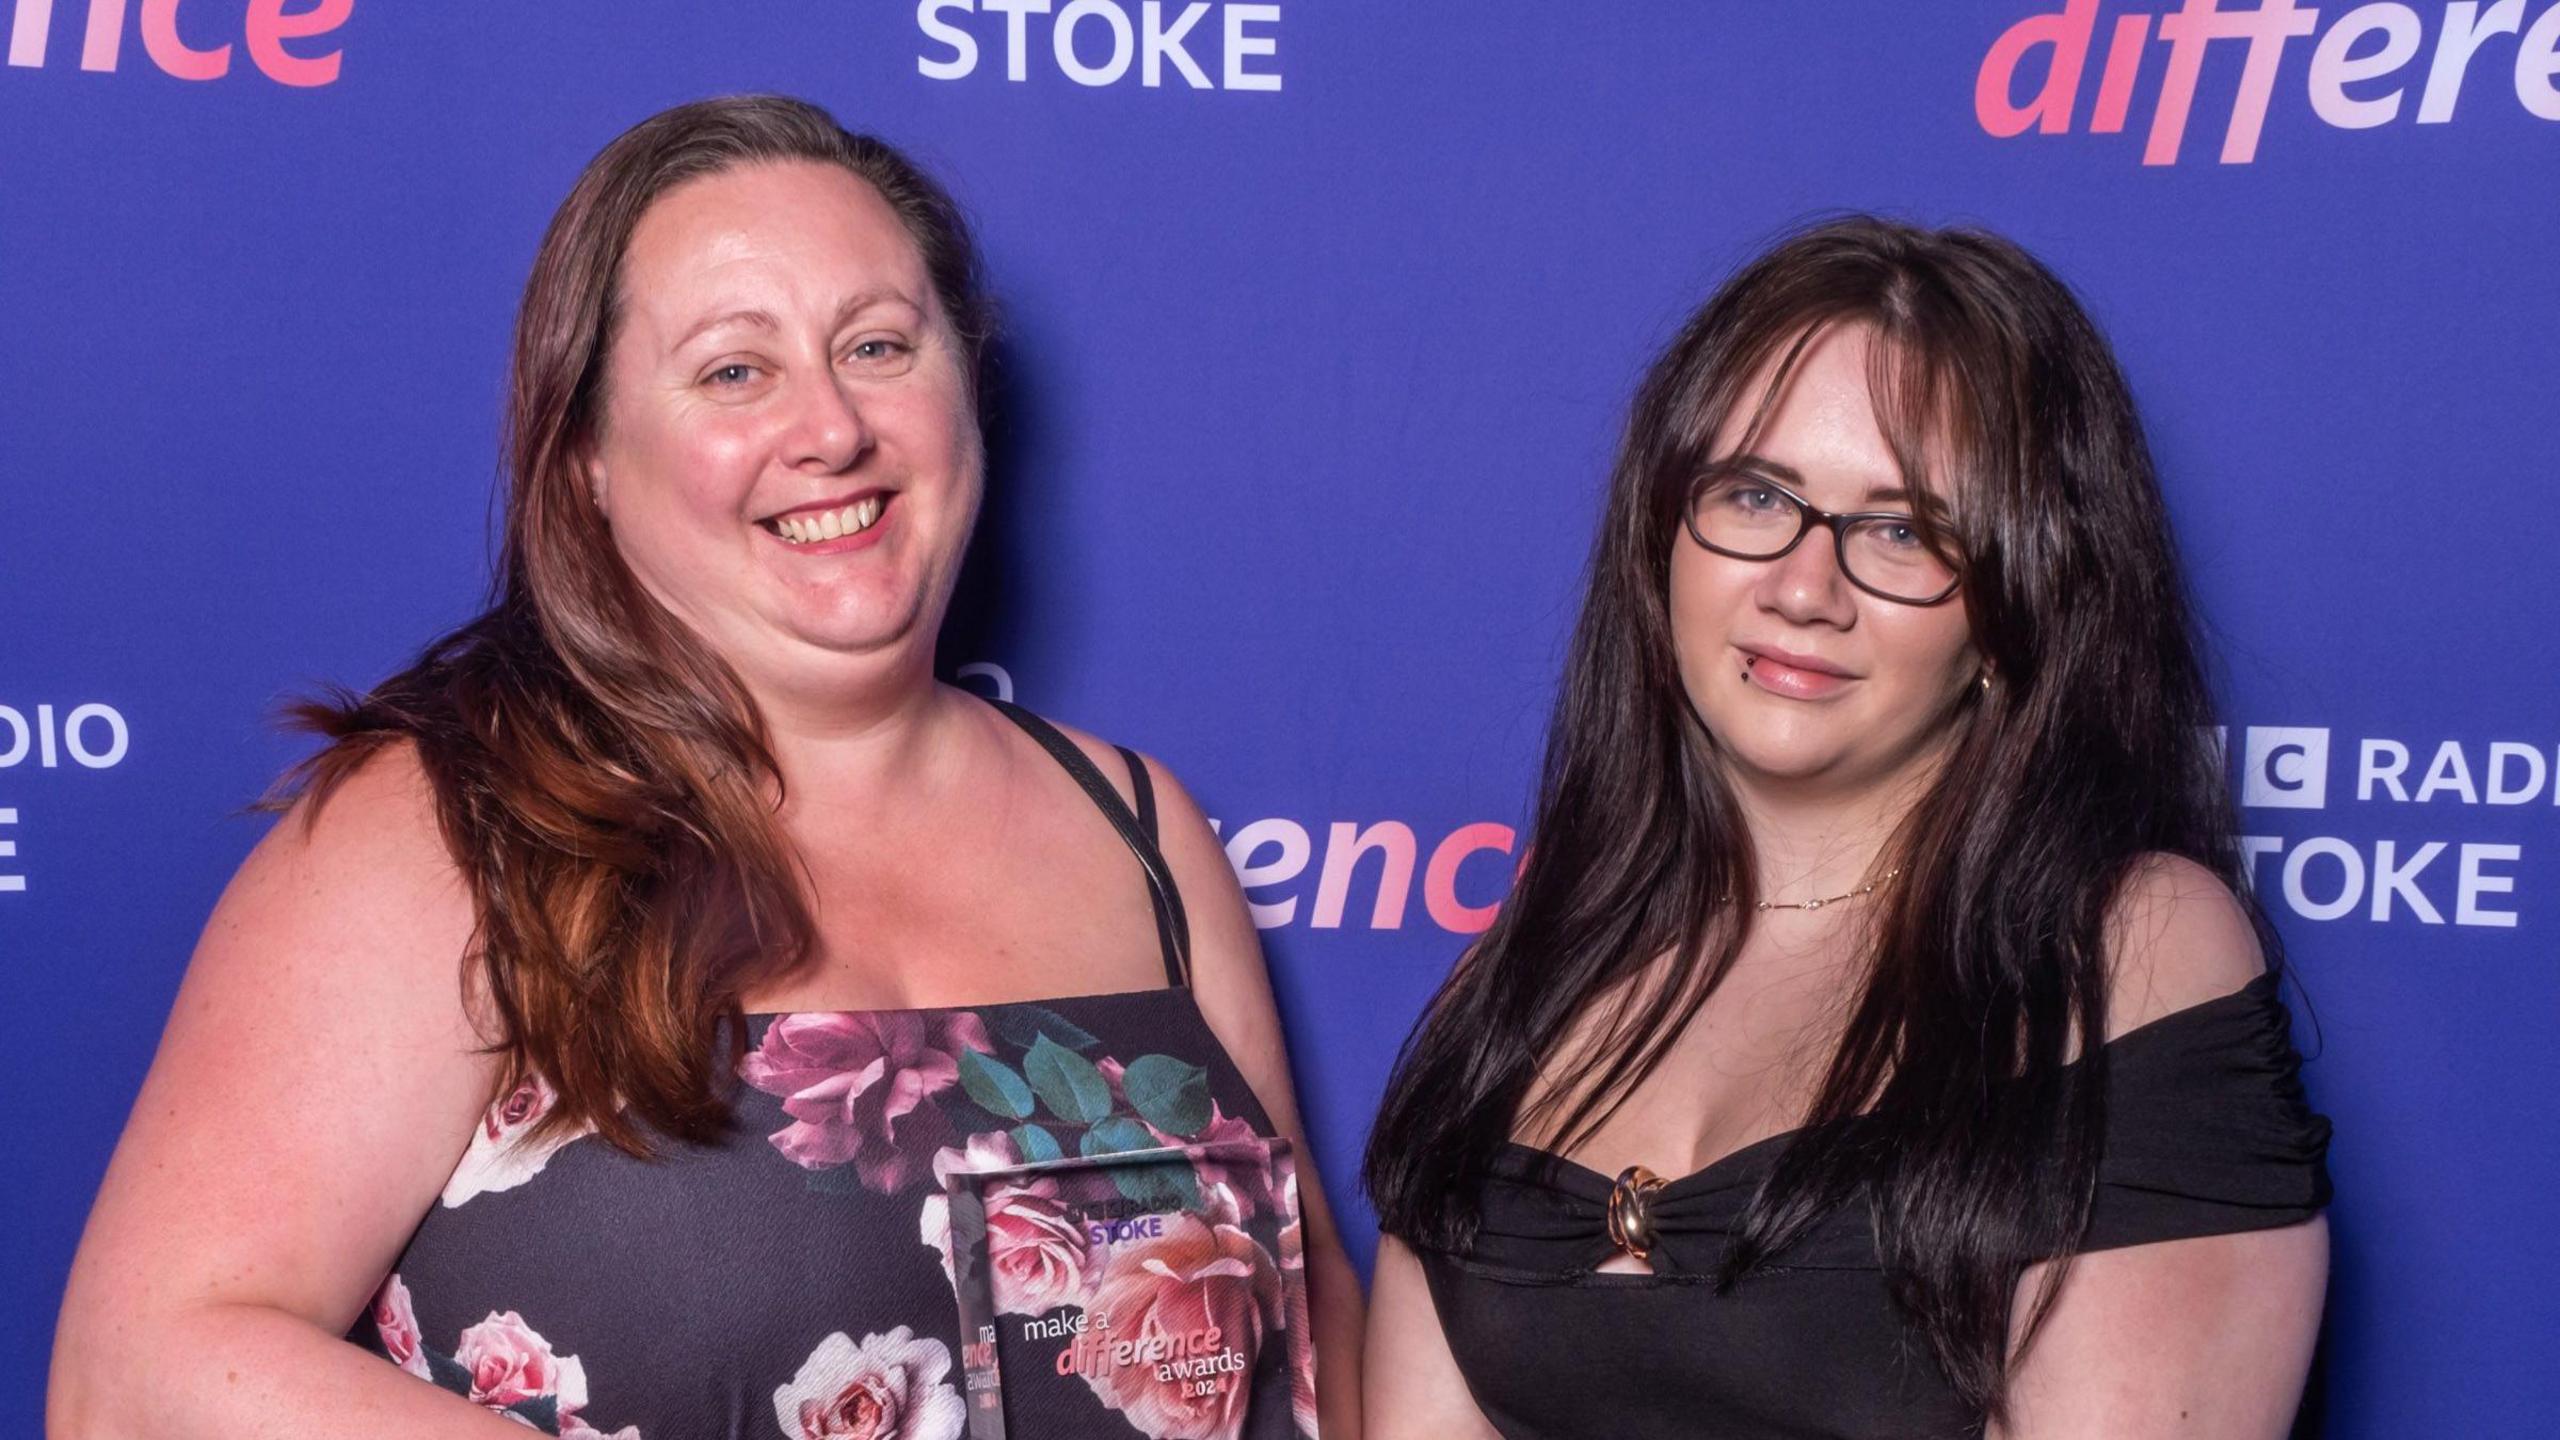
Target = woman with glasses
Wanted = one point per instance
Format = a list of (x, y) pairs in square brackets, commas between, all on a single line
[(1877, 1042)]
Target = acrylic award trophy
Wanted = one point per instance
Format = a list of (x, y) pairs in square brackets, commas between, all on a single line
[(1159, 1291)]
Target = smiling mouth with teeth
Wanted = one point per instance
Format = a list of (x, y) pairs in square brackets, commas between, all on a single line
[(814, 526)]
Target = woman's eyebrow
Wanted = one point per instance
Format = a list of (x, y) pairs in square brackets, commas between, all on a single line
[(1793, 478), (1762, 464), (1926, 500), (862, 300), (851, 306), (761, 319)]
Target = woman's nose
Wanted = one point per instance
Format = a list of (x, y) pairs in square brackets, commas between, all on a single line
[(1806, 585), (830, 435)]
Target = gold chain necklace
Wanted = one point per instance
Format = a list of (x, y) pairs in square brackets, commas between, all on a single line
[(1860, 893)]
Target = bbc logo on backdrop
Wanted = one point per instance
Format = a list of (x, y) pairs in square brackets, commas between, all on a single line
[(2285, 767)]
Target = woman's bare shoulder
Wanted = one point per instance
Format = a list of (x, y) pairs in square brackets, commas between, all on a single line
[(354, 893), (2177, 936)]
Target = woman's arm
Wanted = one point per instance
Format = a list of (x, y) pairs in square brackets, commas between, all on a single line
[(1415, 1391), (317, 1081), (2209, 1337), (1234, 993)]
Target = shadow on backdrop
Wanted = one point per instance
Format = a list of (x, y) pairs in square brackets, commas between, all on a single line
[(987, 620)]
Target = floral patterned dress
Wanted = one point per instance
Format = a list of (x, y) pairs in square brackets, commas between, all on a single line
[(794, 1281)]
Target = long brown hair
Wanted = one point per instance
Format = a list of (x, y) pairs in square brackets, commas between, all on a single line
[(1947, 1109), (601, 777)]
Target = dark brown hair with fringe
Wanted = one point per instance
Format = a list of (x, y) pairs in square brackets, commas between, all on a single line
[(1947, 1108)]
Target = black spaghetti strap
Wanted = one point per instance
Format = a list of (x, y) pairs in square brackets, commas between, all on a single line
[(1173, 928), (1143, 786), (1169, 916)]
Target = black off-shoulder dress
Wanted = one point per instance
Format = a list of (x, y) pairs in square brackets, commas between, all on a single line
[(2207, 1133)]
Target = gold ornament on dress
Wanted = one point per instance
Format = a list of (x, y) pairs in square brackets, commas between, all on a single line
[(1630, 1213)]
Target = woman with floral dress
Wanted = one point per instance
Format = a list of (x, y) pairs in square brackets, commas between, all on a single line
[(594, 1039)]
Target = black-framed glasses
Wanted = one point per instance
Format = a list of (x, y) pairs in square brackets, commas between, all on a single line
[(1748, 516)]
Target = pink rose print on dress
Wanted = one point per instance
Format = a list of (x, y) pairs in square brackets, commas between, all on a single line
[(506, 1364), (397, 1323), (509, 1364), (500, 1363), (1195, 1278), (1038, 1252), (890, 1387), (500, 1158), (1245, 1180), (859, 1087)]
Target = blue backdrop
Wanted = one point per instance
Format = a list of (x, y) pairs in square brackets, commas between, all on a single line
[(1321, 322)]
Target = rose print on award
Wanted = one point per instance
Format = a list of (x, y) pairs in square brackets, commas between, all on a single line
[(1165, 1282)]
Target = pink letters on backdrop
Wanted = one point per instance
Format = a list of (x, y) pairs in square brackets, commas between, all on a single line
[(263, 25)]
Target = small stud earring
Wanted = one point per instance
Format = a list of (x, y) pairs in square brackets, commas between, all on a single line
[(1986, 682)]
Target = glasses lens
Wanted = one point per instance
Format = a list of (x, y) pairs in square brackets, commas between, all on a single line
[(1888, 555), (1744, 516)]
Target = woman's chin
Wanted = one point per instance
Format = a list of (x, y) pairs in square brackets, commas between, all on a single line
[(1787, 772), (1801, 766), (856, 650), (1830, 772), (851, 621), (833, 656)]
